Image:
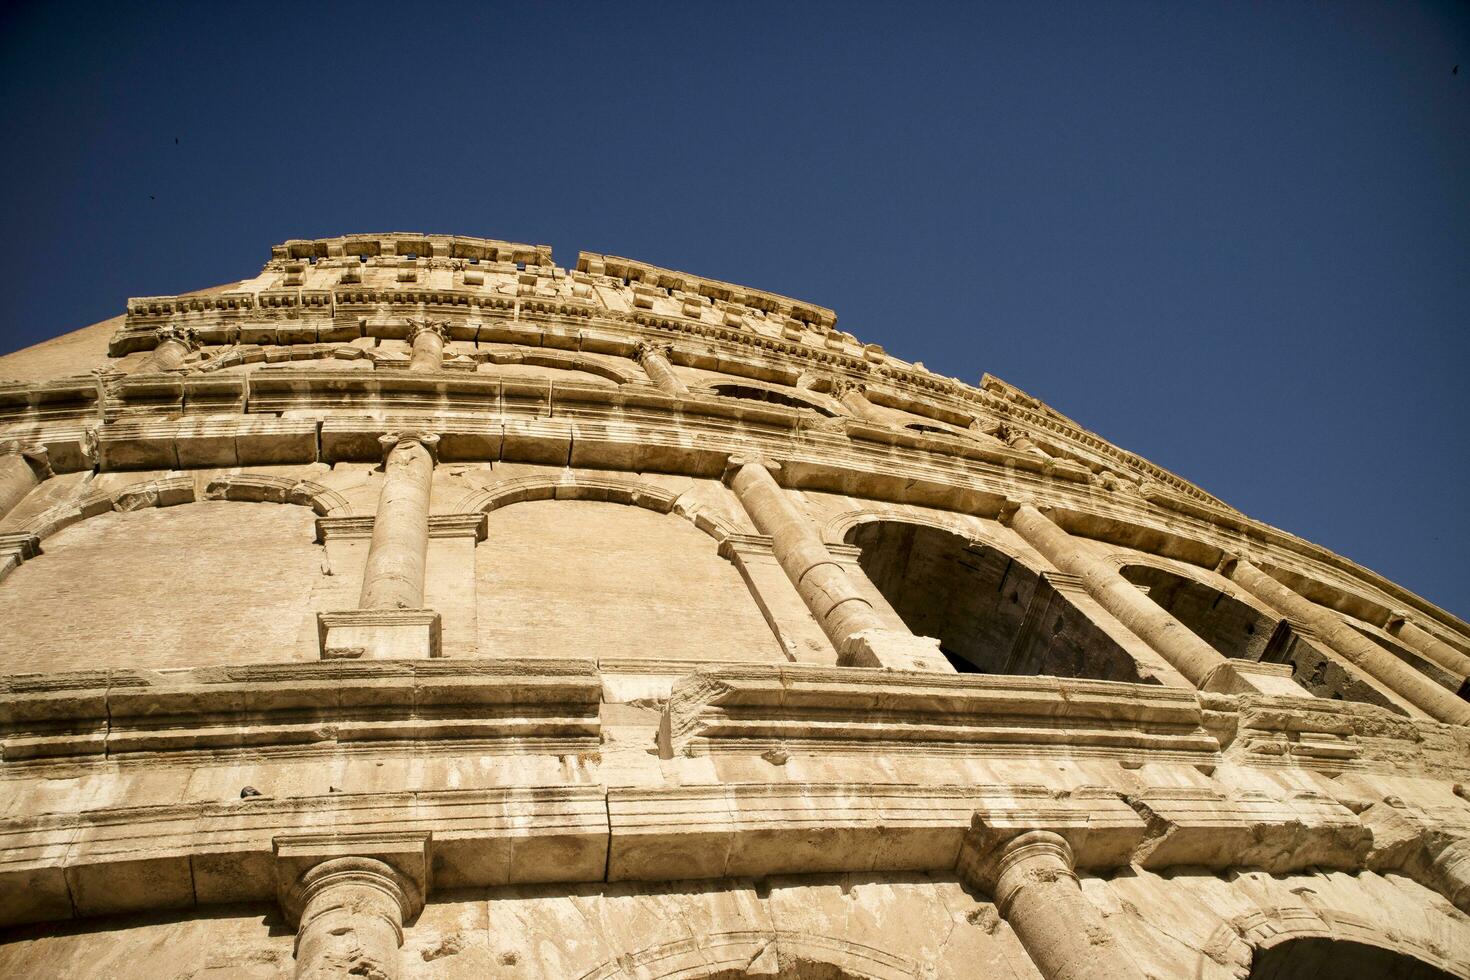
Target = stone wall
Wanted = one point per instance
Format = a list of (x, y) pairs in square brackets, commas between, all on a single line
[(421, 608)]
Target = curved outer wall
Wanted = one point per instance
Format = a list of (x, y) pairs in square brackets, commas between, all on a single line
[(420, 608)]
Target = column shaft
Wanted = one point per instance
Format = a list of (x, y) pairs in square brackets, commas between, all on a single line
[(842, 612), (655, 361), (1175, 642), (394, 577), (1358, 650), (18, 474), (1038, 895), (1432, 647), (352, 912), (428, 349), (819, 579)]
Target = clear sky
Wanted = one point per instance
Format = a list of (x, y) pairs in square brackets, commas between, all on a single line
[(1234, 238)]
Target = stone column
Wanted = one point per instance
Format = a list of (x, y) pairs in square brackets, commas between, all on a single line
[(174, 344), (351, 912), (398, 555), (1358, 650), (428, 339), (1452, 866), (655, 361), (1035, 888), (1183, 649), (22, 468), (853, 396), (1421, 640), (845, 616)]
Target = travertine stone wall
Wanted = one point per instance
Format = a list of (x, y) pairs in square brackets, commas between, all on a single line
[(577, 577), (177, 587), (419, 607)]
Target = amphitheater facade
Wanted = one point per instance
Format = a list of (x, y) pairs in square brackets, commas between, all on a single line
[(418, 608)]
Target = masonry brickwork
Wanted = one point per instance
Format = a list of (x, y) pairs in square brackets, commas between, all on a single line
[(419, 608)]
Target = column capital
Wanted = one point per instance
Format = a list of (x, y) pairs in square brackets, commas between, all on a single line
[(842, 386), (739, 460), (33, 453), (1010, 861), (422, 325), (179, 335), (394, 865), (1228, 562), (646, 347), (1011, 505), (392, 440)]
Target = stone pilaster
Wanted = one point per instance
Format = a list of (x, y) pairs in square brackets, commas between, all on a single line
[(844, 614), (1201, 664), (1401, 627), (174, 344), (22, 468), (1361, 652), (428, 339), (1032, 880), (655, 361)]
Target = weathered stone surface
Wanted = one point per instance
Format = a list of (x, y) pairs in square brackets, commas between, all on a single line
[(418, 608)]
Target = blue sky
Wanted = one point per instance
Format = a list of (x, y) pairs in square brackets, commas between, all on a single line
[(1233, 238)]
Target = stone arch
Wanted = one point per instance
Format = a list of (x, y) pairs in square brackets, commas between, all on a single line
[(1287, 943), (837, 529), (776, 955), (992, 611), (173, 491), (601, 489)]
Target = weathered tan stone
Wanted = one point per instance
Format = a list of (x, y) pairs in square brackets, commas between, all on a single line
[(419, 609)]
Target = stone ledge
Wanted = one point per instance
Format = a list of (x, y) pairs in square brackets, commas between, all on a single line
[(327, 705), (174, 856), (126, 860), (740, 708)]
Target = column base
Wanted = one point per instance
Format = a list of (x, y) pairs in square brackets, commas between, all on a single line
[(379, 634), (891, 650), (1253, 677)]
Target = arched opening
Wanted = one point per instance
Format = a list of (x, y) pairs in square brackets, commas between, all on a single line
[(934, 430), (770, 396), (1224, 622), (586, 578), (1311, 957), (196, 585), (991, 613), (1240, 631)]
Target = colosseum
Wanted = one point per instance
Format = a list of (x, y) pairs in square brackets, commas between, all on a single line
[(419, 608)]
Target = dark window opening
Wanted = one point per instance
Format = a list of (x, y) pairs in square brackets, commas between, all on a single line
[(991, 614), (771, 397)]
